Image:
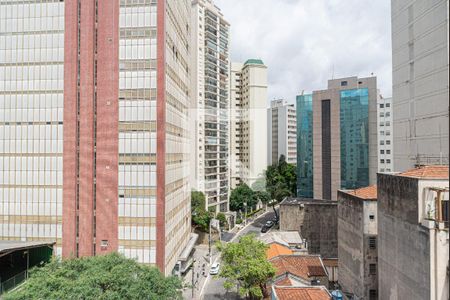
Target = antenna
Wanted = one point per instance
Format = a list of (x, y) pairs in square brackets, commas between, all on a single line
[(332, 71)]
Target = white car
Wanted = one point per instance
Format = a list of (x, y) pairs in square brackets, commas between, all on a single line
[(214, 269)]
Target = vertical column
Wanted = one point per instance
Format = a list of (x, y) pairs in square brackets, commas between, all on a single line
[(107, 133), (161, 136)]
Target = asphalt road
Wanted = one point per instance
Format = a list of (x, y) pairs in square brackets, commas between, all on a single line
[(214, 288)]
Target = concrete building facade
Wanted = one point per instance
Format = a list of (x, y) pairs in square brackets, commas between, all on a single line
[(210, 104), (282, 132), (248, 122), (109, 91), (385, 135), (420, 78), (413, 234), (344, 137), (316, 220), (357, 242)]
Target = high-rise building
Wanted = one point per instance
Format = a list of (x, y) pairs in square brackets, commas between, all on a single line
[(420, 92), (385, 135), (343, 154), (210, 104), (282, 132), (95, 112), (248, 121), (413, 234), (305, 182)]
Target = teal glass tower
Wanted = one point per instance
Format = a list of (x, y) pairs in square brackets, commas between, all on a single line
[(304, 146), (354, 125)]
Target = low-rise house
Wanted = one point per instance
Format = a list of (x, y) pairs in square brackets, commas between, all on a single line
[(300, 293), (276, 249), (357, 242), (299, 270)]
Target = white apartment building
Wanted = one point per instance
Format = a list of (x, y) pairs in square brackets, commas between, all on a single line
[(282, 132), (248, 122), (420, 57), (385, 135), (210, 104)]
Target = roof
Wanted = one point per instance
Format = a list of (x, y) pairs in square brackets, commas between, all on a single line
[(427, 172), (284, 238), (366, 193), (330, 262), (189, 246), (301, 293), (11, 246), (276, 250), (303, 266), (309, 201), (254, 61)]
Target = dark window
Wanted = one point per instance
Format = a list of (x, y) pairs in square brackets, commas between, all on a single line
[(343, 83), (373, 243), (381, 151), (381, 105), (373, 295), (388, 105), (388, 142), (326, 150), (372, 217), (372, 269)]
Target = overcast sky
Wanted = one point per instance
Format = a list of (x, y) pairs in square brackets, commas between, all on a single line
[(303, 41)]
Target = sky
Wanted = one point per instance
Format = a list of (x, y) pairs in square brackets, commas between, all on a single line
[(306, 42)]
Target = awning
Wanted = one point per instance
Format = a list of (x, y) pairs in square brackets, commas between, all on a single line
[(188, 249)]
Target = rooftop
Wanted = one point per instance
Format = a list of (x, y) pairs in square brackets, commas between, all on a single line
[(254, 61), (9, 246), (301, 293), (276, 250), (285, 238), (366, 193), (299, 201), (303, 266), (427, 172)]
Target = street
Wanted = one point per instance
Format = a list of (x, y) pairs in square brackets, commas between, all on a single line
[(214, 286)]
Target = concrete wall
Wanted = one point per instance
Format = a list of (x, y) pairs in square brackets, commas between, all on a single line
[(420, 81), (403, 244), (355, 227), (317, 223)]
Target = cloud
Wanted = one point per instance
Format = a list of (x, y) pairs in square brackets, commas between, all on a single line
[(305, 42)]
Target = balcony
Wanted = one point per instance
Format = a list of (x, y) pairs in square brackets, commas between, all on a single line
[(435, 208)]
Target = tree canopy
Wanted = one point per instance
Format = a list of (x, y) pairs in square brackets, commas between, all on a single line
[(281, 179), (109, 276), (244, 264), (240, 195), (200, 216)]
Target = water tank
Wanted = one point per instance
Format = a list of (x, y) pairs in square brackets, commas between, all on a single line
[(337, 295)]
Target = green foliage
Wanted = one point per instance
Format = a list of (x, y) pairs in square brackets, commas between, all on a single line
[(222, 219), (109, 276), (281, 179), (263, 196), (200, 216), (240, 195), (244, 264)]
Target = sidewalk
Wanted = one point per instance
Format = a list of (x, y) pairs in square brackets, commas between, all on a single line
[(201, 271)]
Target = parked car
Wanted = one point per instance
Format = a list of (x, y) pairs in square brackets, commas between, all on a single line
[(264, 229), (269, 224), (214, 269)]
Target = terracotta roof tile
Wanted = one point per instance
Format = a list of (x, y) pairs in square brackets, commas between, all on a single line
[(301, 293), (276, 250), (286, 281), (368, 192), (303, 266), (427, 172)]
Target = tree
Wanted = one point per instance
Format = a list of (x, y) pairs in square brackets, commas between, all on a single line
[(240, 195), (109, 276), (244, 264), (222, 219), (263, 196), (200, 216)]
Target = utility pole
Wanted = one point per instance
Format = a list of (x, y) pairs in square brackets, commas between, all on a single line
[(209, 251), (193, 282)]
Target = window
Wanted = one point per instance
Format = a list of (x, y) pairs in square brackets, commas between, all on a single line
[(372, 269), (381, 105), (372, 217), (388, 151), (382, 161), (388, 142), (388, 161), (381, 114), (372, 242), (388, 114), (343, 83), (373, 295), (388, 132), (381, 132), (388, 105), (381, 151), (381, 142)]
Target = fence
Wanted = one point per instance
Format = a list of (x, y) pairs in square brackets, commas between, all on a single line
[(12, 282)]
